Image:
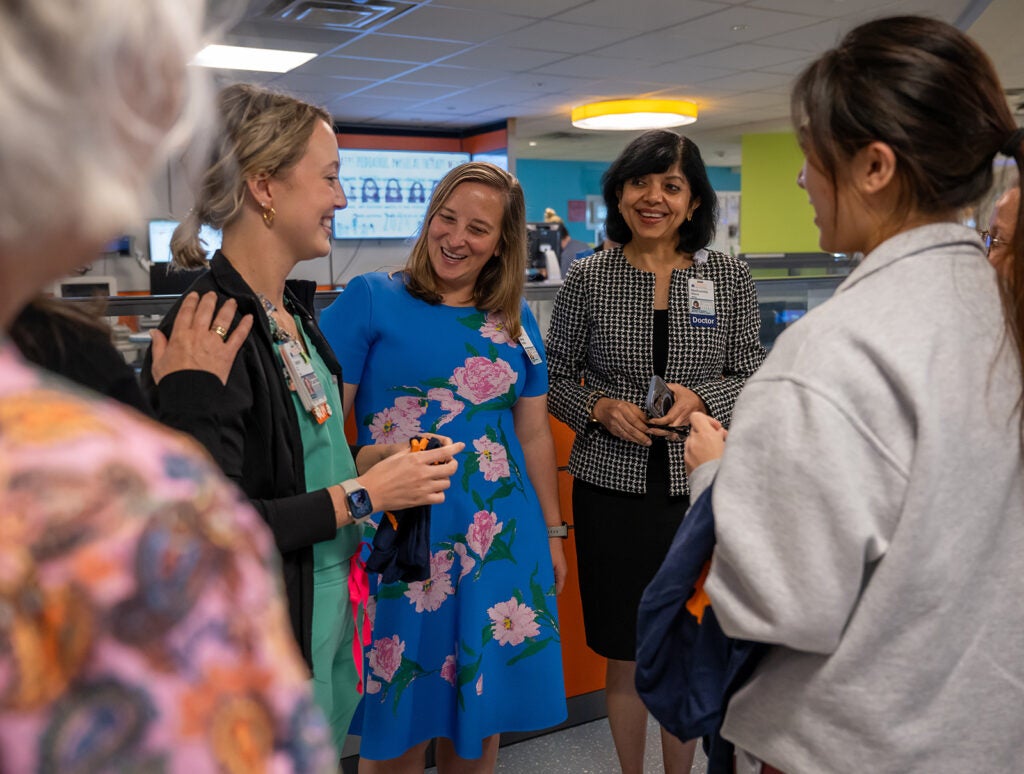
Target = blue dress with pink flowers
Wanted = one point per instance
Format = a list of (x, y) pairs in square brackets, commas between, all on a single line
[(475, 650)]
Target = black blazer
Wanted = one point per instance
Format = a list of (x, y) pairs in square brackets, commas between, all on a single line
[(252, 431)]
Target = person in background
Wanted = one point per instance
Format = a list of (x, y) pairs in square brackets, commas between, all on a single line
[(450, 343), (604, 243), (571, 250), (143, 628), (272, 189), (1002, 227), (73, 340), (621, 317), (868, 518)]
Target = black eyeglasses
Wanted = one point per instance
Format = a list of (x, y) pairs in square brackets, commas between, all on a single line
[(988, 240)]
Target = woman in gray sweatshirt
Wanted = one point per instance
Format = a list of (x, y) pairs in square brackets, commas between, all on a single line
[(869, 504)]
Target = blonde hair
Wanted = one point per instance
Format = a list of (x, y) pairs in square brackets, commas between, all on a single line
[(95, 96), (499, 286), (262, 132)]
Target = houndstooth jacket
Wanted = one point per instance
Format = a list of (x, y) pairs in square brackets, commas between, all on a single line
[(600, 344)]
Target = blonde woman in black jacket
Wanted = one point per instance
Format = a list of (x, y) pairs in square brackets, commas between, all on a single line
[(278, 429)]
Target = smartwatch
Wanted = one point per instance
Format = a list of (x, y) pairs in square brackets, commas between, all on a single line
[(358, 499)]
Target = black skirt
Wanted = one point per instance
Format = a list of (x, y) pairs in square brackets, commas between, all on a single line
[(621, 541)]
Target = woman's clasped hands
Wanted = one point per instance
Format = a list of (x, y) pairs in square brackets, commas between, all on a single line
[(629, 422)]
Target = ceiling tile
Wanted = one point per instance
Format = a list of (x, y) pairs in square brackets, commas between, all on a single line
[(539, 83), (659, 47), (358, 107), (262, 33), (399, 48), (641, 16), (353, 67), (750, 56), (492, 55), (561, 37), (538, 9), (687, 72), (832, 9), (412, 91), (443, 75), (741, 24), (750, 81), (296, 81), (440, 23), (814, 39), (592, 67)]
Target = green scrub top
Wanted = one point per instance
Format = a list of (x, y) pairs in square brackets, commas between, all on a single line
[(328, 461)]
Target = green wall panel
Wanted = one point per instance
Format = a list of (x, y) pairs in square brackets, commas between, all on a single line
[(775, 216)]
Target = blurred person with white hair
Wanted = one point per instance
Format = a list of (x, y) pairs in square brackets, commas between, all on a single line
[(142, 625)]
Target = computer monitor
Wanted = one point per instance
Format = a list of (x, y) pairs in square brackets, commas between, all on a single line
[(165, 279), (86, 286), (539, 236), (162, 229)]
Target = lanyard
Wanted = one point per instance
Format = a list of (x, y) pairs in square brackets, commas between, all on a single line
[(298, 367)]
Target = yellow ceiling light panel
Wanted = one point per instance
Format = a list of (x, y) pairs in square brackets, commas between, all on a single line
[(633, 114)]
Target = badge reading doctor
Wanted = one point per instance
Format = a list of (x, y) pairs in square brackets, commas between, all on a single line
[(701, 299)]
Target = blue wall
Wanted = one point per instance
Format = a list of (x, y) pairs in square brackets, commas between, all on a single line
[(553, 183)]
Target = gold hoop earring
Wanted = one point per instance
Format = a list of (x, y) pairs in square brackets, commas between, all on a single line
[(268, 214)]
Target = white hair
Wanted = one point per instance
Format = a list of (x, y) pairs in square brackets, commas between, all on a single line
[(94, 95)]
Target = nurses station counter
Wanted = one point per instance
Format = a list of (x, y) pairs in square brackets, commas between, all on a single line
[(787, 288)]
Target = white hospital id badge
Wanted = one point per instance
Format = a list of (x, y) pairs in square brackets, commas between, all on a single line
[(531, 351), (304, 381), (701, 300)]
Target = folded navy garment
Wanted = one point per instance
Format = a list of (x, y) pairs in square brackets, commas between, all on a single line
[(687, 668), (401, 547)]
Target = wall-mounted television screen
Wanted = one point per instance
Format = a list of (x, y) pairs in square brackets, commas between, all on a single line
[(160, 232), (498, 158), (388, 191)]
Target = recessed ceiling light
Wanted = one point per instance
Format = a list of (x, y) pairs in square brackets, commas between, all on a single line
[(264, 60), (532, 143)]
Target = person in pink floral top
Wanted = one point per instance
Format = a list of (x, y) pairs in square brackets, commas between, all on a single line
[(142, 627), (449, 343)]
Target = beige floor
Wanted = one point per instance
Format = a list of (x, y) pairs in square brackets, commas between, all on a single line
[(584, 749)]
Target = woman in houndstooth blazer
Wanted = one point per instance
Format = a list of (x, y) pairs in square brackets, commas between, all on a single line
[(622, 316)]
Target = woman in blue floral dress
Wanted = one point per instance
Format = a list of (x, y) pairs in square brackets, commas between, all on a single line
[(448, 345)]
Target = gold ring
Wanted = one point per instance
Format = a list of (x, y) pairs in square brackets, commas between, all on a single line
[(221, 331)]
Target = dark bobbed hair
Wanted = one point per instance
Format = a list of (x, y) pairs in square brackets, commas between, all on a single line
[(931, 94), (499, 286), (654, 152)]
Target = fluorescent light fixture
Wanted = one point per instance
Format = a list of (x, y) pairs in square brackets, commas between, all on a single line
[(625, 114), (264, 60)]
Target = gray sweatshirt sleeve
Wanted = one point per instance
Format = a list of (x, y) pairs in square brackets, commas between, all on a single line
[(805, 501)]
